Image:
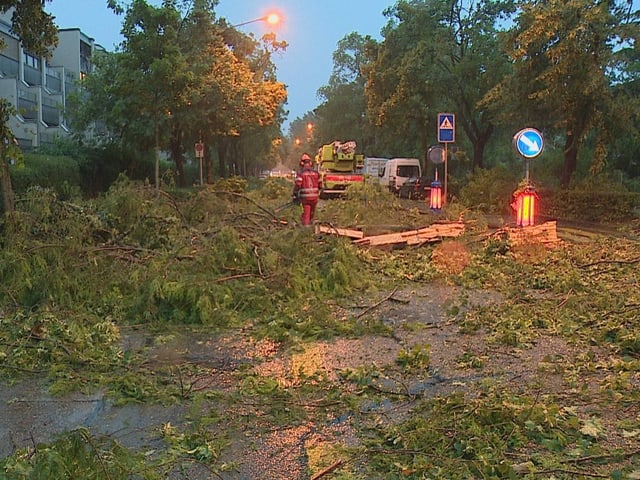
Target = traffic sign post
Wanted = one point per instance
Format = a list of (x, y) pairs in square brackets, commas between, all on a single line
[(446, 135), (529, 143), (199, 148)]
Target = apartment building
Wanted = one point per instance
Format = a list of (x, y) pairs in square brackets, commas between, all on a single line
[(37, 87)]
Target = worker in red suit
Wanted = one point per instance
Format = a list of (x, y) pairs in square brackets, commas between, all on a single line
[(306, 189)]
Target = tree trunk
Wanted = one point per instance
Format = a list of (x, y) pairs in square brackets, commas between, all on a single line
[(208, 163), (221, 159), (8, 197), (479, 144), (157, 159), (424, 145), (176, 154), (478, 154), (570, 160)]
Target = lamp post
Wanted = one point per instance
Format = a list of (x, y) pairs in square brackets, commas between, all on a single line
[(270, 18)]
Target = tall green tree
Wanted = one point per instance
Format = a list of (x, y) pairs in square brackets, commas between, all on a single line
[(138, 93), (244, 77), (342, 113), (402, 98), (437, 56), (564, 55), (178, 79)]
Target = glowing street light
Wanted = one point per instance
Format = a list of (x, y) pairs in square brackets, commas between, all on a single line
[(270, 18)]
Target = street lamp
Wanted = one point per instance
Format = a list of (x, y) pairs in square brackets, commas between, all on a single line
[(270, 18)]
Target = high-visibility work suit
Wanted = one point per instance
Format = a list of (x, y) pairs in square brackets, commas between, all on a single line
[(307, 190)]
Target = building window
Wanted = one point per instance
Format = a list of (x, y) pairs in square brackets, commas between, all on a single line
[(31, 61)]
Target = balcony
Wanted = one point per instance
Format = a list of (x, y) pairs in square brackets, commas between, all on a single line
[(8, 67)]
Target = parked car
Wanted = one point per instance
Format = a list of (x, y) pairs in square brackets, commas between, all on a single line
[(416, 188)]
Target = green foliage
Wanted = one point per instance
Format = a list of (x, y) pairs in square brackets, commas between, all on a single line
[(158, 84), (371, 206), (58, 173), (232, 184), (101, 166), (490, 191), (594, 199), (579, 279), (417, 358), (402, 265), (563, 54), (198, 445), (481, 437), (138, 256), (44, 339), (78, 455), (429, 52), (274, 189)]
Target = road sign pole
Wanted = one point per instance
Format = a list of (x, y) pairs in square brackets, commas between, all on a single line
[(200, 155), (446, 172), (529, 143), (446, 135)]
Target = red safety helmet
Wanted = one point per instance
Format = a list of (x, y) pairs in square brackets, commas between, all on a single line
[(305, 158)]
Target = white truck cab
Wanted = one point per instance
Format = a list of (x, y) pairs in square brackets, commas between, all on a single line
[(397, 171)]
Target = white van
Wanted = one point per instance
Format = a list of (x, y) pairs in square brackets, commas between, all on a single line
[(397, 171)]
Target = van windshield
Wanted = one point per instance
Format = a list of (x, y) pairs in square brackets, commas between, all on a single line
[(408, 171)]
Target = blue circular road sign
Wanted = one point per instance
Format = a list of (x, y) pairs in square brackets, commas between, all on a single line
[(528, 142)]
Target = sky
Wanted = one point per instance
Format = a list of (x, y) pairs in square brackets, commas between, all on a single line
[(312, 29)]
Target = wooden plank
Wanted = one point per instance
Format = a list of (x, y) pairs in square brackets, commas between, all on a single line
[(436, 232), (344, 232), (432, 233), (384, 239), (546, 233)]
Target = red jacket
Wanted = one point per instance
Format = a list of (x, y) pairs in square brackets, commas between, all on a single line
[(307, 185)]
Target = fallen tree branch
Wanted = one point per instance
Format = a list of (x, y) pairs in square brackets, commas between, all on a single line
[(327, 470), (239, 195), (234, 277), (604, 456), (629, 307), (368, 309), (609, 262), (570, 472)]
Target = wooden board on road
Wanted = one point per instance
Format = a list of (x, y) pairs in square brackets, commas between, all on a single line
[(343, 232), (432, 233), (545, 233)]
